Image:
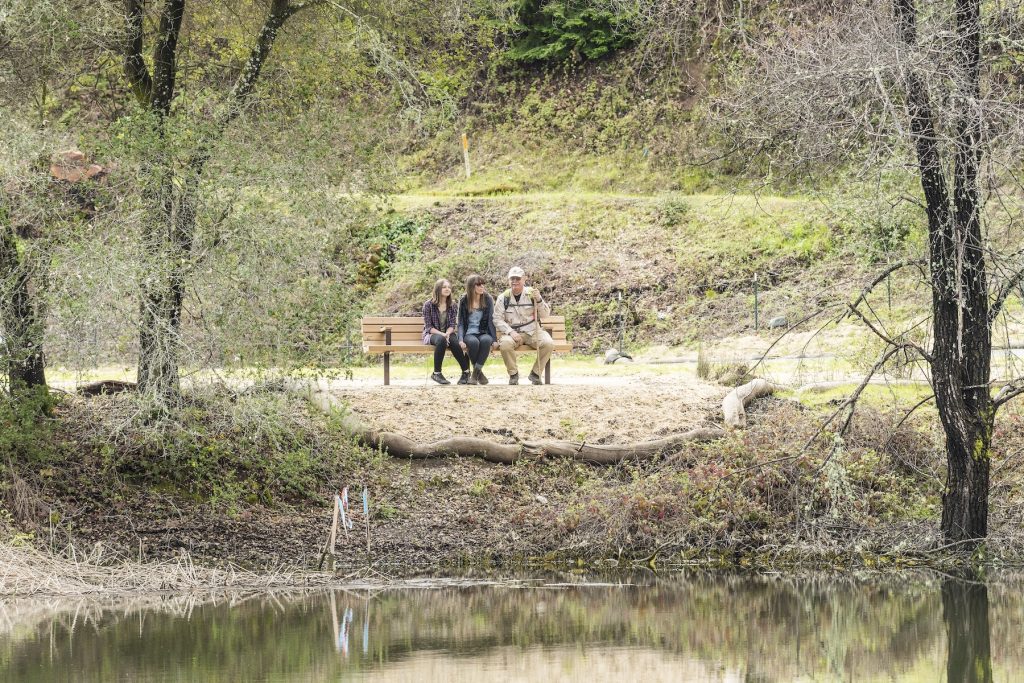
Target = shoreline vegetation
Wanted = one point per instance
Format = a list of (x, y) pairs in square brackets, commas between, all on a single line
[(33, 573), (237, 493)]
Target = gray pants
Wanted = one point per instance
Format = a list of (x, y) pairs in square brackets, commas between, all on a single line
[(541, 341)]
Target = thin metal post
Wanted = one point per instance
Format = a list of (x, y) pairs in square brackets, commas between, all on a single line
[(622, 326), (547, 367), (756, 293), (387, 357)]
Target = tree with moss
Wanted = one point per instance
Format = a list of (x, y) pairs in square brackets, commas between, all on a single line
[(920, 90), (176, 138)]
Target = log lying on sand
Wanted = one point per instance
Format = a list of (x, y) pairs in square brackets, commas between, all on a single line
[(107, 386), (466, 446), (404, 447), (613, 454), (735, 403)]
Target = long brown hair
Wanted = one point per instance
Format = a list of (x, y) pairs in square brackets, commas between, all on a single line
[(436, 298), (471, 282)]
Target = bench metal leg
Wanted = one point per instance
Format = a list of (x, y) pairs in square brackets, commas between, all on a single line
[(547, 368), (387, 369)]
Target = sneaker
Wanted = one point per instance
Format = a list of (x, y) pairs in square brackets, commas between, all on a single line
[(513, 379), (465, 377), (480, 376), (535, 378), (439, 378)]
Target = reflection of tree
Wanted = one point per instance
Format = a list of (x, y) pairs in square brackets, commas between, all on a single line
[(965, 611), (768, 629)]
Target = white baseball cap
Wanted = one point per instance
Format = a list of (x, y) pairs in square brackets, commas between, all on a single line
[(516, 271)]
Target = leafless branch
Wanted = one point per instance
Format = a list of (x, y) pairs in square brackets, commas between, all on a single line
[(789, 329), (1004, 292), (851, 401), (1008, 392), (880, 278), (906, 416)]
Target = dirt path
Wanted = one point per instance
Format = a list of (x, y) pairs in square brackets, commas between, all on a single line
[(579, 408)]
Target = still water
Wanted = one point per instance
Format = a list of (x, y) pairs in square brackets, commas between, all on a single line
[(694, 628)]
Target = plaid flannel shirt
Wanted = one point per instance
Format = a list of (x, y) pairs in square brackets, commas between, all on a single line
[(432, 319)]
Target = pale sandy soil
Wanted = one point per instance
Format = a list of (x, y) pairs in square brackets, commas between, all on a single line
[(594, 409)]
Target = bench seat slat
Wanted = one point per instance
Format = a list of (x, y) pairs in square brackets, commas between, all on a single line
[(417, 336), (405, 320), (417, 340), (418, 327), (417, 333), (422, 348)]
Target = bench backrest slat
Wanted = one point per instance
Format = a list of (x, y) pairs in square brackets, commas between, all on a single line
[(407, 331)]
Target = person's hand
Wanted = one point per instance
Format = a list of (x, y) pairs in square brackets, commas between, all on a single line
[(463, 345), (448, 332), (517, 337), (494, 346)]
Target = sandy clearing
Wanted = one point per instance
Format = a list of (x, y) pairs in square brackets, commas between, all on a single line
[(594, 409)]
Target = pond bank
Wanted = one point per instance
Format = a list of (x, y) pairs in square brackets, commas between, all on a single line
[(247, 478)]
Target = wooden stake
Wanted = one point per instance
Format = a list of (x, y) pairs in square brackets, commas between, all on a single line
[(366, 516), (334, 524), (465, 154), (334, 621)]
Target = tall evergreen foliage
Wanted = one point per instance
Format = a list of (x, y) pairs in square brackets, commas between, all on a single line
[(551, 30)]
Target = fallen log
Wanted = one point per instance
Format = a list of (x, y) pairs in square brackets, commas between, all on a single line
[(612, 454), (467, 446), (104, 387), (404, 447), (735, 403)]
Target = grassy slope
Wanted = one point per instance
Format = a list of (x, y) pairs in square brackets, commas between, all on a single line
[(684, 264)]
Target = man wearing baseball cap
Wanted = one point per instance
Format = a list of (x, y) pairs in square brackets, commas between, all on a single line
[(517, 315)]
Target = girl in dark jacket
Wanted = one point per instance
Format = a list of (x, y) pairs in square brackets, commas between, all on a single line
[(439, 322), (476, 326)]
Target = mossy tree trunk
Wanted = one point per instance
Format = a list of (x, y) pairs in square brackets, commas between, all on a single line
[(22, 326), (169, 233), (961, 325)]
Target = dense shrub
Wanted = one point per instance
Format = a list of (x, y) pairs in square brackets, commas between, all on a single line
[(554, 30)]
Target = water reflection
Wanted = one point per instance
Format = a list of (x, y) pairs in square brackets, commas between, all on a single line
[(965, 611), (688, 628)]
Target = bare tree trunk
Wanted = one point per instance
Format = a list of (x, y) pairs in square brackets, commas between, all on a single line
[(167, 246), (160, 338), (26, 367), (168, 239), (962, 337)]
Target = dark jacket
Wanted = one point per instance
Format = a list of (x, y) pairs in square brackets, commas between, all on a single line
[(487, 322)]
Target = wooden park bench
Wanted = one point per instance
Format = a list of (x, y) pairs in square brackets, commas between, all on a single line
[(393, 334)]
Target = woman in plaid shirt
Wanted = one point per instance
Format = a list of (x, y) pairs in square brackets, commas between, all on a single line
[(439, 331)]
